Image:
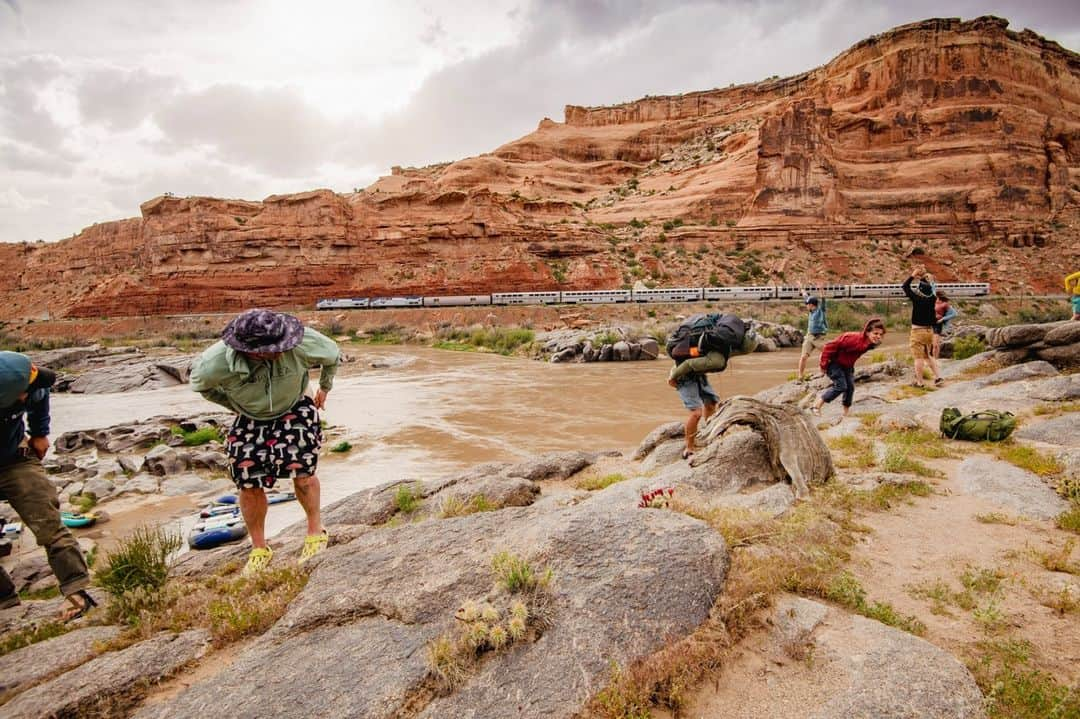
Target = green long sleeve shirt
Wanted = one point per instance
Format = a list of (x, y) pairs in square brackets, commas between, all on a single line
[(264, 389)]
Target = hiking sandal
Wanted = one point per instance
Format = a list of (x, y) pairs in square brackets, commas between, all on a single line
[(80, 610), (257, 560), (313, 544)]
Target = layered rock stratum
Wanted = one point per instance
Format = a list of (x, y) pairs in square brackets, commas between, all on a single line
[(947, 142)]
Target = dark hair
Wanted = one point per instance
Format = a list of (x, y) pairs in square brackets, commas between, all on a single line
[(942, 296), (875, 324)]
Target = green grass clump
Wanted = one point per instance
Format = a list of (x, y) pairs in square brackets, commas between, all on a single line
[(516, 575), (500, 340), (250, 605), (32, 635), (854, 452), (1069, 488), (919, 442), (407, 499), (202, 435), (457, 507), (140, 561), (1053, 409), (847, 591), (997, 518), (594, 483), (897, 460), (1069, 520), (83, 502), (1016, 690), (1028, 458), (341, 446), (968, 346)]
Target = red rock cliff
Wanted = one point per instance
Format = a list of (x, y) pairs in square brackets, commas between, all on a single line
[(952, 143)]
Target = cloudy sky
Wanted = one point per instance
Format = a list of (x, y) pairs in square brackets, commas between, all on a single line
[(107, 103)]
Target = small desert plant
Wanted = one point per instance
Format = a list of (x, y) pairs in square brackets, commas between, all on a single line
[(1028, 458), (968, 346), (407, 499), (141, 560), (593, 483), (1069, 520), (202, 435), (341, 446), (897, 460), (516, 575), (31, 635), (997, 518)]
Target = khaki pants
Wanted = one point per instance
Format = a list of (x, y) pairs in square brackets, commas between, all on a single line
[(25, 487)]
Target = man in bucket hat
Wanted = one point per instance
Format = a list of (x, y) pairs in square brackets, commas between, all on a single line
[(259, 370), (24, 394)]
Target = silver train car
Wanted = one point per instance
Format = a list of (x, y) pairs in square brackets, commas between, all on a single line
[(739, 293), (673, 294), (598, 297), (525, 298), (457, 300)]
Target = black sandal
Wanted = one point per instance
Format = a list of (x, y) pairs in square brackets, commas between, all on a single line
[(88, 603)]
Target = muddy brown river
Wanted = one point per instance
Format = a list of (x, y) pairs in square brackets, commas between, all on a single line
[(419, 412)]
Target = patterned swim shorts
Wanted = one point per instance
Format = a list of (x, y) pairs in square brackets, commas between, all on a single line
[(263, 451)]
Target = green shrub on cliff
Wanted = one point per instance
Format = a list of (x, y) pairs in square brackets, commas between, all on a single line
[(968, 346)]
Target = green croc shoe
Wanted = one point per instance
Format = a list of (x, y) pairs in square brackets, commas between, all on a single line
[(313, 544), (258, 559)]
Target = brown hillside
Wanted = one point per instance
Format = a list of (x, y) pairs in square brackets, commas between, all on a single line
[(954, 142)]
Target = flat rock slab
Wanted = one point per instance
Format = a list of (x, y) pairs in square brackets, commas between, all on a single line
[(1009, 487), (627, 581), (93, 688), (30, 665), (891, 674), (1063, 431), (824, 663)]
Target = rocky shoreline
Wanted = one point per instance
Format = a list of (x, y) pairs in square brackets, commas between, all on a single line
[(635, 582)]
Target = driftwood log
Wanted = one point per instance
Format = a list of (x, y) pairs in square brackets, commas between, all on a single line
[(795, 446)]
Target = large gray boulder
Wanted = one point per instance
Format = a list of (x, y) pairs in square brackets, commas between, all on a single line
[(823, 663), (1009, 487), (627, 581), (555, 466), (184, 484), (661, 434), (1063, 430), (30, 665), (103, 686)]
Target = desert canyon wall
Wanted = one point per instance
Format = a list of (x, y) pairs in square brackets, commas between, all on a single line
[(952, 143)]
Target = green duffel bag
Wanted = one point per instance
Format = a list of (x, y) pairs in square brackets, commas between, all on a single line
[(987, 425)]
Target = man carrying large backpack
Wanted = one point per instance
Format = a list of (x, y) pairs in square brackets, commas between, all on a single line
[(703, 344)]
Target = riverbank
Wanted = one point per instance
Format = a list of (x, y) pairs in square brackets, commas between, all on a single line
[(422, 325)]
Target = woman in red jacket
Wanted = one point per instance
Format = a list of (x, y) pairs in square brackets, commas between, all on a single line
[(838, 359)]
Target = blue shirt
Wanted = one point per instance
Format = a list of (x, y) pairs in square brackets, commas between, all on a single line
[(816, 324), (13, 427)]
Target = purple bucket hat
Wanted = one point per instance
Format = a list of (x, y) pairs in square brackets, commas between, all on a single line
[(260, 330)]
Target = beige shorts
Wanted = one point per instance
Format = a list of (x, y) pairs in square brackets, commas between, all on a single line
[(921, 342), (811, 342)]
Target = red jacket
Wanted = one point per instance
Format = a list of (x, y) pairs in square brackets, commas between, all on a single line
[(846, 349)]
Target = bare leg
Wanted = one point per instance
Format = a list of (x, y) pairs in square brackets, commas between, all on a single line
[(919, 362), (934, 367), (691, 427), (253, 508), (936, 351), (802, 365), (308, 492)]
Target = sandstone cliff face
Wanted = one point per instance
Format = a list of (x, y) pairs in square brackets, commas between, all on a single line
[(952, 143)]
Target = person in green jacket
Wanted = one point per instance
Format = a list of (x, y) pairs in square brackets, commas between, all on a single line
[(259, 370)]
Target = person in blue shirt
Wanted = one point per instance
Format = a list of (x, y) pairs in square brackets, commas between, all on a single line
[(24, 409), (816, 328)]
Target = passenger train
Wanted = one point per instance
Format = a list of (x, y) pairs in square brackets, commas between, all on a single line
[(671, 294)]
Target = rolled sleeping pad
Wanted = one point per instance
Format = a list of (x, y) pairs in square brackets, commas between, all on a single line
[(216, 536), (76, 519)]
